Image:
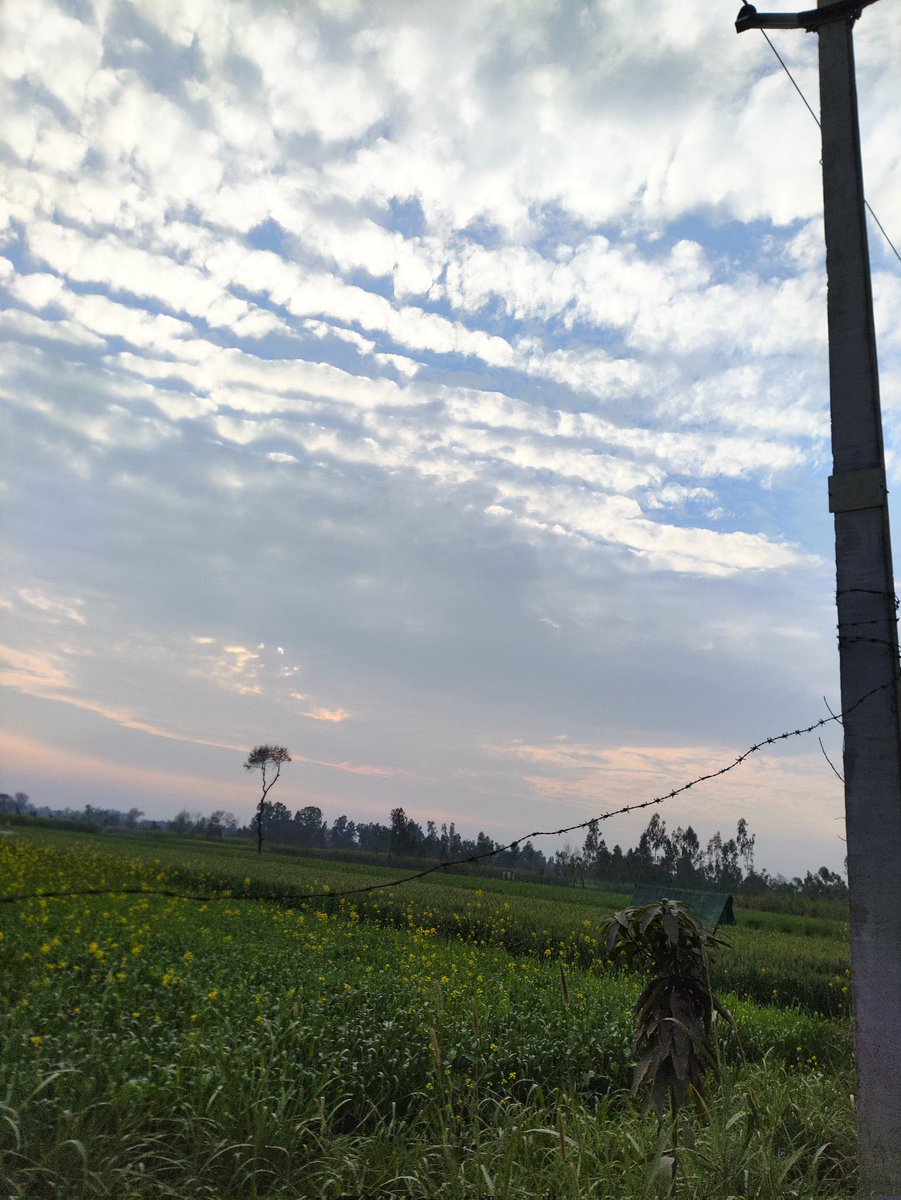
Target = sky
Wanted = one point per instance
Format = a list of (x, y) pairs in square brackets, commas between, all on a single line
[(439, 391)]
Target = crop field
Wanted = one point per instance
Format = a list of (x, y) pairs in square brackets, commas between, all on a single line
[(454, 1037)]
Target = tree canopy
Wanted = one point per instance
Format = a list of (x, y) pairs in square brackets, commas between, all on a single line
[(265, 759)]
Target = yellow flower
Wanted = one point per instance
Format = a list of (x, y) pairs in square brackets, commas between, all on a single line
[(36, 1041)]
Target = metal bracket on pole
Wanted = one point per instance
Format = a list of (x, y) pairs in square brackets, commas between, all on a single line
[(811, 20), (854, 490)]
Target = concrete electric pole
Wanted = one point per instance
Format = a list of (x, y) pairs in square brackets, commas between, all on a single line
[(865, 592)]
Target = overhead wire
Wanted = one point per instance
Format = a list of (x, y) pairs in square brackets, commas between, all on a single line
[(795, 85)]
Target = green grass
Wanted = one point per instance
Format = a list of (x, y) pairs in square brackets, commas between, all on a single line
[(158, 1047), (773, 957)]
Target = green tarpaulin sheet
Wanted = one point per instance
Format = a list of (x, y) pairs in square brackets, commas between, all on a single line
[(715, 907)]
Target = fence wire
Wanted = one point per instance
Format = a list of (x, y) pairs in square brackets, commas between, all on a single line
[(481, 856)]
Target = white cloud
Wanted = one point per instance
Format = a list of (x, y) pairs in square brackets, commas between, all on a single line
[(455, 351), (55, 607)]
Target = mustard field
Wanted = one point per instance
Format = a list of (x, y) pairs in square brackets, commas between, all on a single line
[(456, 1037)]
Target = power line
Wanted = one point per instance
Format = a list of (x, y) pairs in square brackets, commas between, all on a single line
[(791, 77), (869, 208), (297, 897)]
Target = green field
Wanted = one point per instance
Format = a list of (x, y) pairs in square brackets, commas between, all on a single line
[(454, 1037)]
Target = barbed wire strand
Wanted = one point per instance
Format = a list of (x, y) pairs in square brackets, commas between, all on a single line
[(851, 641), (302, 897)]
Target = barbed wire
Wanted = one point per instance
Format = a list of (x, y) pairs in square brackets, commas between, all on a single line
[(446, 864), (850, 641), (874, 621), (859, 591), (891, 619)]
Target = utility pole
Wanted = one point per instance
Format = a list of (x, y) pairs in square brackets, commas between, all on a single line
[(865, 594)]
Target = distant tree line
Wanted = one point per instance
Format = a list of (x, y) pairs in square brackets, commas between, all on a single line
[(661, 857), (678, 857), (19, 805), (403, 837)]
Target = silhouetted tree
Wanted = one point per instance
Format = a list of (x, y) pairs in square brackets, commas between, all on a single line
[(687, 856), (484, 844), (309, 827), (745, 842), (824, 885), (431, 845), (220, 824), (265, 759), (181, 823), (278, 821), (343, 833), (406, 834), (451, 842)]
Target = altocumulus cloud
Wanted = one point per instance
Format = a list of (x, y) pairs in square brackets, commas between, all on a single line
[(437, 390)]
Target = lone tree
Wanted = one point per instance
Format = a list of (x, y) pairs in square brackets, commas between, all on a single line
[(265, 759)]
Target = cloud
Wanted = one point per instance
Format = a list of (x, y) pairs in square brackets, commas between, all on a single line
[(31, 672), (473, 390), (43, 677), (596, 780), (60, 768), (334, 715), (56, 608)]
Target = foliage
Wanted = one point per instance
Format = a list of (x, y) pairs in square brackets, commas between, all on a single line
[(660, 857), (263, 759), (673, 1045), (18, 804), (386, 1060)]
